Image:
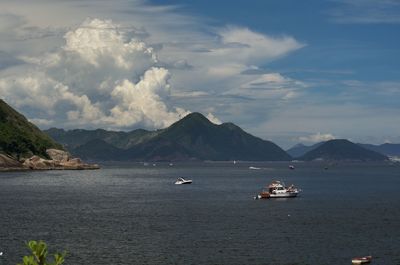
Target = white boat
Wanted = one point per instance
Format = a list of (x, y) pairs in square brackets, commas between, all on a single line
[(254, 168), (180, 181), (277, 189), (361, 260)]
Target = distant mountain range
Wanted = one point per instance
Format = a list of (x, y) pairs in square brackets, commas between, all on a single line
[(387, 149), (341, 149), (20, 138), (195, 138), (300, 149), (192, 138)]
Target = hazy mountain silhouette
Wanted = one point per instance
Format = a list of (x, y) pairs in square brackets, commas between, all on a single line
[(193, 137), (341, 149)]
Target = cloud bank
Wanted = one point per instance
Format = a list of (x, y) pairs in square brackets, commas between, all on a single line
[(316, 138), (101, 77), (137, 72)]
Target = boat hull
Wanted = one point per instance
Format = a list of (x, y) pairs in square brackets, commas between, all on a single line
[(283, 195), (362, 260), (277, 189), (183, 182), (267, 195)]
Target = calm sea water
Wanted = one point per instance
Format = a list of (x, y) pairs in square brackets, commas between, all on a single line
[(136, 215)]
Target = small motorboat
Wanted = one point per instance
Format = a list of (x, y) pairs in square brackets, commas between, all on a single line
[(291, 167), (361, 260), (277, 189), (254, 168), (180, 181)]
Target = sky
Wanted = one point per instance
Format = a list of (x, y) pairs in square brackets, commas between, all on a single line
[(284, 70)]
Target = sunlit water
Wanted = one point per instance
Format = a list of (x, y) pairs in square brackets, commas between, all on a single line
[(136, 215)]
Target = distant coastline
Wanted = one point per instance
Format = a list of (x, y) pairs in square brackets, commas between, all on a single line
[(59, 160), (193, 138)]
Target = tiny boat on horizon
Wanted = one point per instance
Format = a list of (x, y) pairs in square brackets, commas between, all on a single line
[(361, 260), (277, 189), (254, 168), (180, 181), (291, 167)]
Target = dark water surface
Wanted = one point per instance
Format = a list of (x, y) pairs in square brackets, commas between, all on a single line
[(136, 215)]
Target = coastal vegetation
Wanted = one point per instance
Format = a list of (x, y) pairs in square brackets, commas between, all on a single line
[(20, 138), (23, 146), (39, 255)]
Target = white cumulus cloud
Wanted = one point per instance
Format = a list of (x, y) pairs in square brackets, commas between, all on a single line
[(271, 86), (317, 137), (139, 72), (213, 119), (101, 77), (252, 47)]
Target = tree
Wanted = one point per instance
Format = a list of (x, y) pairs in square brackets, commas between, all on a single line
[(39, 255)]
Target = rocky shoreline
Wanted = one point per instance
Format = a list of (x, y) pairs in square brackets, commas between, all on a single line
[(7, 163), (59, 160)]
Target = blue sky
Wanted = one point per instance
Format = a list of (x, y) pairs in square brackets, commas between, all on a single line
[(286, 71), (335, 44)]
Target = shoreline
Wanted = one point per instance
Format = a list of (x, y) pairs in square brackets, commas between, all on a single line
[(24, 169), (60, 160)]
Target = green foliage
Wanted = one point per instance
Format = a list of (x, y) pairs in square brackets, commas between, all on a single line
[(39, 253), (19, 137)]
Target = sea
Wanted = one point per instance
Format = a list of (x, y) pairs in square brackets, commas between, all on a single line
[(134, 214)]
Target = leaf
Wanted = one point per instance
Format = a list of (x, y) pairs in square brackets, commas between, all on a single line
[(39, 253)]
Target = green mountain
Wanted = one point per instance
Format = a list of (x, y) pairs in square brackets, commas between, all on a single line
[(98, 149), (74, 138), (300, 149), (208, 141), (386, 149), (19, 137), (341, 149), (192, 138)]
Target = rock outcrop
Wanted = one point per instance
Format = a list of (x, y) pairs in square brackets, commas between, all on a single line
[(58, 155), (21, 138), (59, 160), (7, 163)]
